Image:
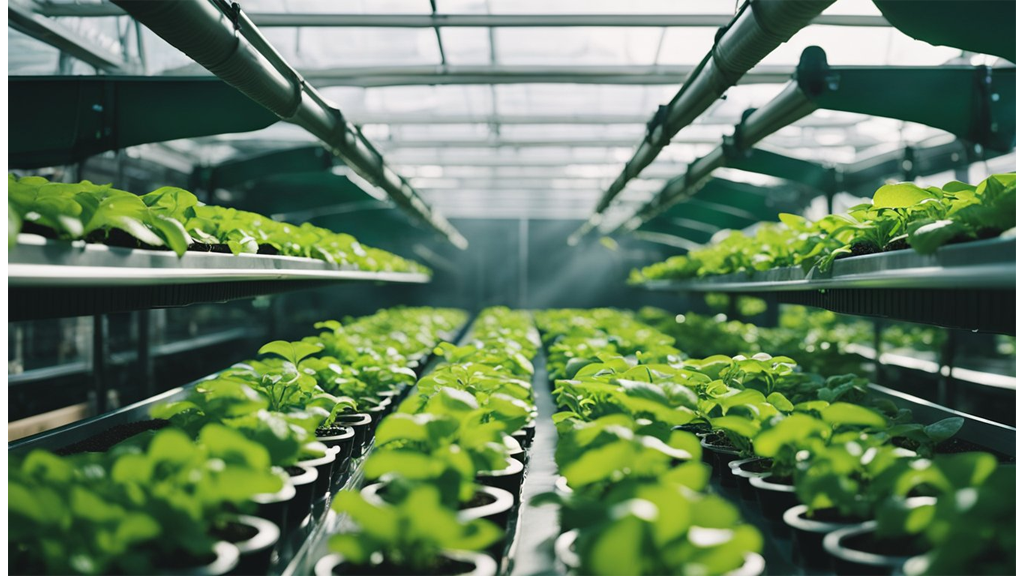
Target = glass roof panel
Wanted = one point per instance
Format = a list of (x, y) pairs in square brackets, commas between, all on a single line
[(577, 46)]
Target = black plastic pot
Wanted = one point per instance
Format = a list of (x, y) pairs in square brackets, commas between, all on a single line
[(808, 534), (305, 488), (361, 424), (225, 560), (255, 550), (378, 412), (707, 456), (344, 443), (497, 509), (274, 507), (389, 399), (515, 449), (463, 564), (721, 457), (525, 435), (746, 469), (850, 552), (774, 498), (565, 553), (509, 478), (325, 466)]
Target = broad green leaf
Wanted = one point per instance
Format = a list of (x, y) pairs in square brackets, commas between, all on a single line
[(172, 233), (742, 426), (901, 195), (943, 429), (293, 352), (793, 430), (844, 413)]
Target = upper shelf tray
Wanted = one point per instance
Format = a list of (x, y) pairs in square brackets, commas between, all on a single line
[(989, 264), (966, 286), (52, 279)]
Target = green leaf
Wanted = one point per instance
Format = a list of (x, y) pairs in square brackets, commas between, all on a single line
[(927, 238), (944, 429), (171, 202), (742, 426), (781, 402), (792, 431), (843, 413), (172, 232), (902, 195), (617, 550), (293, 352)]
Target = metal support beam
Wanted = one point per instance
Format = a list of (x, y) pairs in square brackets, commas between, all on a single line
[(308, 19), (435, 75), (759, 27), (49, 31), (402, 119), (224, 40), (100, 355)]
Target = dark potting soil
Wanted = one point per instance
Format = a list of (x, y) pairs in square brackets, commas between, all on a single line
[(758, 466), (780, 480), (119, 238), (325, 431), (901, 546), (478, 499), (446, 567), (108, 438), (900, 244), (863, 249), (215, 248), (38, 229), (719, 441), (174, 563), (268, 250), (234, 532), (959, 445), (832, 515)]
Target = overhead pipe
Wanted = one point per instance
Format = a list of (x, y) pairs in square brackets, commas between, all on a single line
[(758, 28), (789, 106), (222, 39)]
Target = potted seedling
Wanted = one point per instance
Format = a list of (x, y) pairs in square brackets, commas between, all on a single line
[(903, 523), (418, 535), (655, 527)]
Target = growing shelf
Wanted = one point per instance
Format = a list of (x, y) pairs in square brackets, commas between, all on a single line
[(53, 279), (969, 286)]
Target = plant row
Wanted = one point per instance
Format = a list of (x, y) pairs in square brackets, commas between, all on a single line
[(173, 218), (444, 477), (268, 437), (899, 216), (842, 470)]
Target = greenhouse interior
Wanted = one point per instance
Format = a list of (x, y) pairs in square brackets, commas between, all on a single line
[(496, 288)]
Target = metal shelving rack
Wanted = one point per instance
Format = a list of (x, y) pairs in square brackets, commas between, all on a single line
[(52, 279), (968, 286)]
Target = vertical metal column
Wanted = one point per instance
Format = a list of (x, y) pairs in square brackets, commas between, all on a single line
[(100, 356), (946, 361), (145, 358), (524, 259), (878, 352)]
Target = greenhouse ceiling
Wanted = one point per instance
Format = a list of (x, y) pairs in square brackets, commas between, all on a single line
[(504, 109)]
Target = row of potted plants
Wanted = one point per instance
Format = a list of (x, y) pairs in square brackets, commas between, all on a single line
[(784, 437), (263, 437), (899, 216), (633, 494), (444, 477), (173, 219)]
